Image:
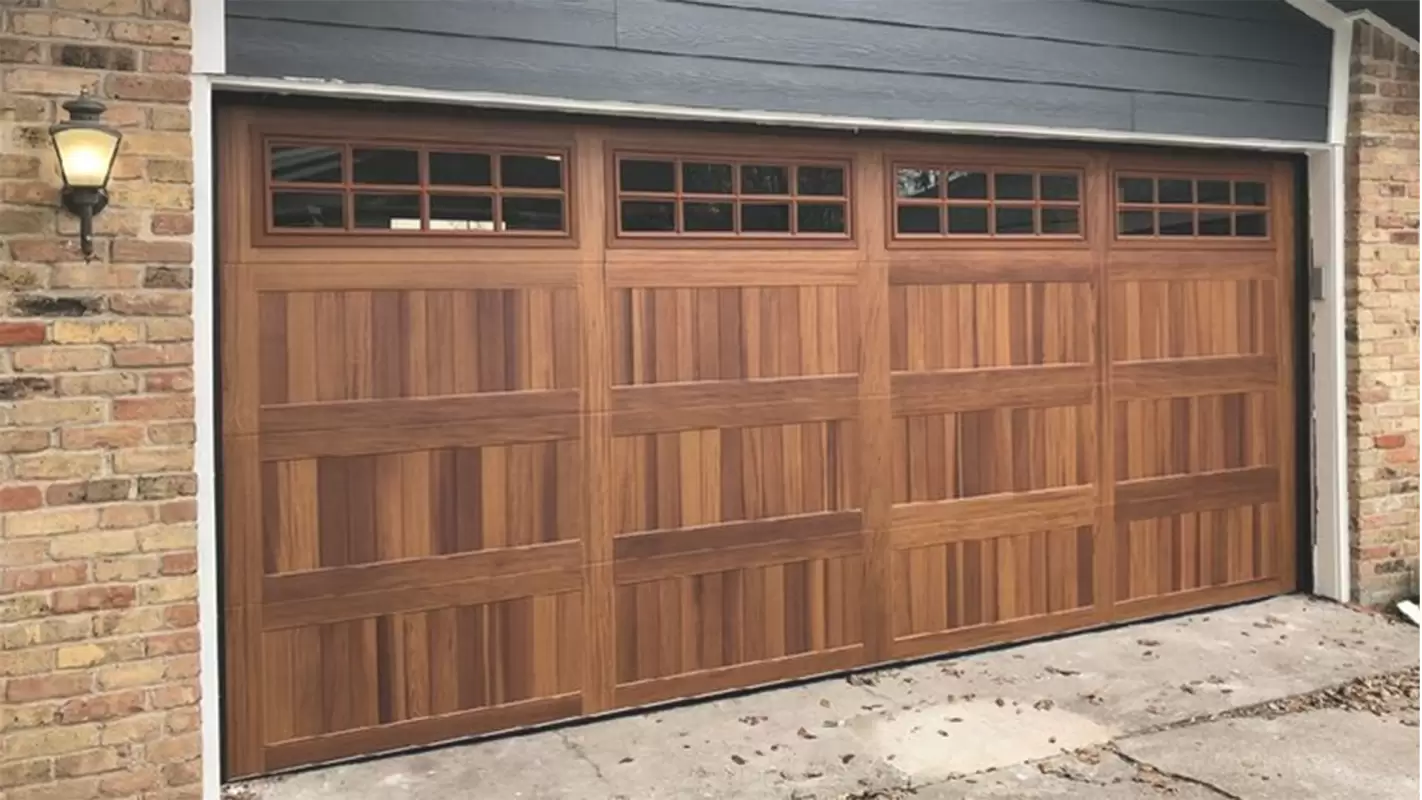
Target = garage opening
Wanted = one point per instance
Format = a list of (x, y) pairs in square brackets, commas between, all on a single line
[(526, 421)]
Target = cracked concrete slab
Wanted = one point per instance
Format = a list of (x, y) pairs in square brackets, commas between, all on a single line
[(1102, 776), (878, 732)]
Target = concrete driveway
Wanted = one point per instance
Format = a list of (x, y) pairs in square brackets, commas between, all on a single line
[(1286, 698)]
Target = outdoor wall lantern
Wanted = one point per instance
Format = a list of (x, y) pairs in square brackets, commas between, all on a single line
[(86, 148)]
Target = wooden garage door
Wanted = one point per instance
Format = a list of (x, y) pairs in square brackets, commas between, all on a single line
[(523, 422)]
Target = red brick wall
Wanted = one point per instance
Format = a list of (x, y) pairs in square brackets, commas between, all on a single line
[(1382, 309), (98, 585)]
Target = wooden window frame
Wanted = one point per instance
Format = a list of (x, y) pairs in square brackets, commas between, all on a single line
[(735, 157), (351, 131), (1204, 171), (990, 167)]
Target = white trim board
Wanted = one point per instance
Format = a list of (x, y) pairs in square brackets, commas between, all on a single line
[(520, 102)]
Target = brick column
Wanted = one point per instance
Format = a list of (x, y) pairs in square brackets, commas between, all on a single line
[(1382, 316), (98, 585)]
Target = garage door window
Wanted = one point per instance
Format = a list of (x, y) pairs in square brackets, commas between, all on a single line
[(391, 190), (692, 197), (950, 202), (1183, 207)]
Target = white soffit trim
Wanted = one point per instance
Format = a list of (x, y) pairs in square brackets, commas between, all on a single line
[(518, 102)]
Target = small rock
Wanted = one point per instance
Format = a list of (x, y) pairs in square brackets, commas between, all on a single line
[(804, 734), (1060, 671), (942, 733), (1148, 642), (752, 720), (824, 703), (1000, 702), (625, 760), (846, 758), (740, 762), (1044, 705)]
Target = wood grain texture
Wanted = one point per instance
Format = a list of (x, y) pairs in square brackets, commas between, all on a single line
[(472, 489)]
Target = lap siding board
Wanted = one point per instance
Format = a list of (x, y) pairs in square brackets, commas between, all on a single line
[(472, 486)]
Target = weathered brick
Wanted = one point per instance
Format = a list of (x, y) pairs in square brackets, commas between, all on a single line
[(170, 329), (129, 675), (13, 333), (44, 687), (137, 86), (98, 383), (148, 407), (90, 276), (19, 498), (24, 440), (51, 412), (128, 569), (126, 516), (92, 762), (104, 331), (99, 490), (93, 543), (123, 59), (172, 433), (25, 773), (57, 466), (162, 487), (48, 522), (27, 80), (168, 224), (91, 598), (154, 355), (130, 782), (172, 380), (105, 437), (169, 277), (46, 577), (60, 359), (160, 252), (152, 303)]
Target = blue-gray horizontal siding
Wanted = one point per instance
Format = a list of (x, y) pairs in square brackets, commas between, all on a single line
[(1233, 68)]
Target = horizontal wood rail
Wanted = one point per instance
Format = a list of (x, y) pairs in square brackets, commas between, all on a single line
[(923, 524), (367, 440), (437, 410), (1183, 494), (1010, 387), (939, 266), (1186, 377), (656, 408), (1181, 264)]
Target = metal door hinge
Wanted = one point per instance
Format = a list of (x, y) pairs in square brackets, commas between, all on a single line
[(1315, 283)]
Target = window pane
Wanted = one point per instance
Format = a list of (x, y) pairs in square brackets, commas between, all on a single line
[(820, 217), (1213, 192), (1137, 223), (387, 166), (1214, 223), (647, 176), (765, 218), (1177, 223), (820, 181), (391, 212), (1015, 221), (648, 215), (967, 219), (709, 216), (1177, 191), (308, 210), (706, 178), (1061, 220), (531, 172), (460, 169), (1137, 190), (920, 219), (1059, 187), (971, 185), (920, 183), (1250, 224), (306, 164), (1250, 193), (1008, 186), (762, 179), (533, 214), (461, 212)]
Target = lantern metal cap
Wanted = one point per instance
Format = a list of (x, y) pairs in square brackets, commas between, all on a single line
[(84, 109)]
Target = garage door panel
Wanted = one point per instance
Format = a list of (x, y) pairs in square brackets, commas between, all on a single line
[(1198, 434), (1196, 551), (971, 326), (1191, 318), (663, 335)]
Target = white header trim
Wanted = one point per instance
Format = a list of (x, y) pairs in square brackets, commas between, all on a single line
[(209, 23), (365, 91)]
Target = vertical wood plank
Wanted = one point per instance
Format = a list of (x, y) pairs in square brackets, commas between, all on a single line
[(875, 420), (1285, 564), (1100, 225)]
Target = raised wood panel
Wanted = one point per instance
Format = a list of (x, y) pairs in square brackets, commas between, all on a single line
[(701, 477), (392, 668), (358, 345), (714, 404), (739, 616), (1188, 318), (708, 334), (976, 325), (989, 580), (332, 512), (1197, 550), (1187, 435)]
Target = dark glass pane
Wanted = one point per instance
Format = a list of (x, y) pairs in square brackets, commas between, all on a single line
[(1061, 220), (1177, 223), (1251, 224), (533, 214), (764, 218), (647, 176), (306, 164), (461, 212), (709, 216), (461, 169), (1213, 192), (968, 185), (1250, 193), (1015, 221), (391, 212), (706, 178), (920, 183), (387, 166), (531, 172), (820, 217), (1137, 190), (648, 215), (762, 179), (308, 210), (1177, 191), (820, 181), (1008, 186), (1137, 223), (1214, 223), (1059, 187), (967, 219), (920, 219)]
